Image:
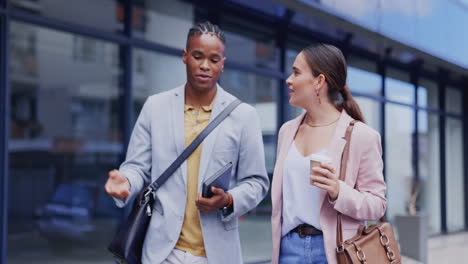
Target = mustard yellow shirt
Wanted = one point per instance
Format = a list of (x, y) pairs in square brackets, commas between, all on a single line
[(191, 238)]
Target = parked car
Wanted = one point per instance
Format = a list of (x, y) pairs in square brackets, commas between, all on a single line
[(69, 213)]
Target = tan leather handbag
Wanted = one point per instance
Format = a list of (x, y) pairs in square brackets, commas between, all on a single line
[(372, 245)]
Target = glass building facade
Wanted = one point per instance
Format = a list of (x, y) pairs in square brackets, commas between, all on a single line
[(75, 74)]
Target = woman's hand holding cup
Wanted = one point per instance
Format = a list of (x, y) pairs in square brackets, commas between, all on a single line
[(323, 175)]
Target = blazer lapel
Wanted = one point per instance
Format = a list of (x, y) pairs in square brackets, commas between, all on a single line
[(336, 146), (178, 119), (221, 102), (288, 138), (178, 101), (277, 186)]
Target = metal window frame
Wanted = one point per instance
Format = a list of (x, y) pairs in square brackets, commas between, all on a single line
[(414, 79), (443, 75), (283, 112), (126, 98), (4, 133), (382, 70), (465, 144)]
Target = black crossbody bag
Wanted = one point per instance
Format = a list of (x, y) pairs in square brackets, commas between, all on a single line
[(127, 245)]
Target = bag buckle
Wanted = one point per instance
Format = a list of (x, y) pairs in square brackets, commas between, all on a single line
[(148, 192), (146, 196), (340, 249)]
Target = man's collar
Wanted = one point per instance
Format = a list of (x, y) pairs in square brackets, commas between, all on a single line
[(206, 108)]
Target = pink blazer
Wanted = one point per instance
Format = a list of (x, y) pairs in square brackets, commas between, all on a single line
[(361, 197)]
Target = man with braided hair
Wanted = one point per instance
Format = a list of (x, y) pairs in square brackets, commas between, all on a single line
[(186, 227)]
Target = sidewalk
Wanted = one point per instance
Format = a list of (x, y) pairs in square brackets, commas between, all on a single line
[(446, 249), (449, 249), (255, 237)]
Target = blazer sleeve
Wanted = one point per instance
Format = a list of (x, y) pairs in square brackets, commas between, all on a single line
[(137, 165), (252, 176), (366, 201)]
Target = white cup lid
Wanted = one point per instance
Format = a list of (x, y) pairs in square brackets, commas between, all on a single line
[(320, 158)]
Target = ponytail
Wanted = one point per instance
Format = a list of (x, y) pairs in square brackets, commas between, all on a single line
[(350, 105), (329, 60)]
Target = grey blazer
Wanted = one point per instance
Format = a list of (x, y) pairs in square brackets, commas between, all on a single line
[(157, 140)]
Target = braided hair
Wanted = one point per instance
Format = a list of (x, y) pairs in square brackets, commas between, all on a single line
[(206, 28)]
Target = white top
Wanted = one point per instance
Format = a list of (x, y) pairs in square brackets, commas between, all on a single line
[(300, 198)]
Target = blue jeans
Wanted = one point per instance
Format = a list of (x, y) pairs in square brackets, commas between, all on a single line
[(307, 250)]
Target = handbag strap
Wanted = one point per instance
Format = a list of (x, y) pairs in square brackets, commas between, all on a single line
[(188, 151), (344, 163)]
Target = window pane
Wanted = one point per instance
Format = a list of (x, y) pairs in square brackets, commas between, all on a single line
[(398, 88), (166, 22), (261, 93), (154, 73), (290, 58), (454, 175), (428, 94), (453, 100), (252, 47), (362, 76), (371, 111), (103, 14), (363, 81), (64, 137), (398, 169), (429, 170)]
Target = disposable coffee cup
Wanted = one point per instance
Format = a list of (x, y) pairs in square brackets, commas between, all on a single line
[(315, 160)]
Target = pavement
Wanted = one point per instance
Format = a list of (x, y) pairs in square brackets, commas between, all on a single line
[(448, 248)]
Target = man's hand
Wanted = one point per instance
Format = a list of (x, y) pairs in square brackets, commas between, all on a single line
[(217, 201), (117, 185)]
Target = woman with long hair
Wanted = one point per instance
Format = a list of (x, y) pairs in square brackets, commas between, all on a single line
[(306, 202)]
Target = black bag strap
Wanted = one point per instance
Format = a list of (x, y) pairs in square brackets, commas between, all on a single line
[(188, 151)]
